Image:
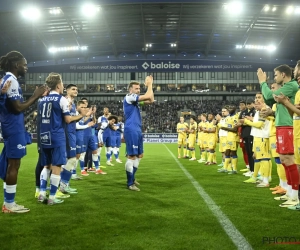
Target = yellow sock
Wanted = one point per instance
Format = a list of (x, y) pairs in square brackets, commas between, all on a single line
[(226, 163), (270, 168), (265, 168), (184, 151), (281, 172), (187, 153), (179, 151), (209, 158), (203, 155), (214, 157), (193, 153), (256, 168), (234, 163)]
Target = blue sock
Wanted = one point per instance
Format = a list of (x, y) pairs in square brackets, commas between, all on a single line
[(81, 165), (74, 171), (65, 176), (134, 171), (10, 193), (54, 182), (108, 156), (95, 160), (4, 190), (9, 197), (130, 178), (43, 185)]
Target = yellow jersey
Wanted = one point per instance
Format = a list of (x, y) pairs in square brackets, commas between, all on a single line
[(194, 127), (199, 130), (272, 122), (296, 118), (210, 126), (181, 128), (230, 122)]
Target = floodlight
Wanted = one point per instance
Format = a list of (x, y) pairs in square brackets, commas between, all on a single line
[(267, 8), (31, 13), (274, 9), (257, 47), (297, 10), (234, 7), (90, 10), (289, 10), (148, 45), (55, 11), (271, 48), (72, 48)]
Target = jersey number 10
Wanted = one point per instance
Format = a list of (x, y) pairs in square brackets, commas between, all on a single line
[(47, 110)]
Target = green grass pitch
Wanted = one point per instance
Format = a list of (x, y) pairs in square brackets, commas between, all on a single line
[(168, 213)]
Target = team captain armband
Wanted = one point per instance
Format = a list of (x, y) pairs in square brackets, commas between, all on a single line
[(141, 103)]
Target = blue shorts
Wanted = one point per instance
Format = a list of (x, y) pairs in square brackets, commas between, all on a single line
[(79, 144), (71, 145), (91, 144), (118, 141), (113, 141), (107, 141), (16, 145), (55, 156), (134, 142), (96, 140)]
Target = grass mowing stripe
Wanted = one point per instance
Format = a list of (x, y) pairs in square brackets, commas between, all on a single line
[(237, 238)]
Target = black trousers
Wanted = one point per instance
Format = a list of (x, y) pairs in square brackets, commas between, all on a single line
[(88, 160), (248, 141), (38, 169)]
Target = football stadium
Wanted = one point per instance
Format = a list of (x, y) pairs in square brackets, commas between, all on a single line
[(149, 125)]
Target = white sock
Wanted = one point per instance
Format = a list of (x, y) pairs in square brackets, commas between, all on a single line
[(54, 180), (294, 195), (284, 184), (289, 191), (266, 180)]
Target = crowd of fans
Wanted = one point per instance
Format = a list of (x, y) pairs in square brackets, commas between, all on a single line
[(160, 117)]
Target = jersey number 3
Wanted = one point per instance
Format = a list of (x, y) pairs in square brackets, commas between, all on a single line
[(47, 110)]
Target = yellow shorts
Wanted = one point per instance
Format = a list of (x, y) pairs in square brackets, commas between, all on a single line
[(212, 144), (273, 146), (261, 148), (297, 150), (199, 141), (192, 141), (231, 144), (181, 140), (222, 144)]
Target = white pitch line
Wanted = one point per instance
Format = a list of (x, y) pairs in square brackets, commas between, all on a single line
[(237, 238)]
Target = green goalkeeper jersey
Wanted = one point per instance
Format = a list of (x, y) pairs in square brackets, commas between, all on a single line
[(282, 115)]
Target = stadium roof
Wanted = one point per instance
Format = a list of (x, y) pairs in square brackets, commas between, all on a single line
[(121, 28)]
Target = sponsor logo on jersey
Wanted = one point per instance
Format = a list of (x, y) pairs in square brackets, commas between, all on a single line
[(19, 146)]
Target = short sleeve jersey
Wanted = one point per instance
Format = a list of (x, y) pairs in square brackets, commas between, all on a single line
[(182, 127), (71, 127), (296, 120), (133, 119), (52, 109), (194, 127), (231, 121), (11, 122)]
